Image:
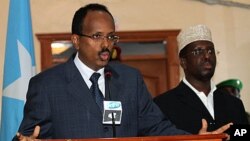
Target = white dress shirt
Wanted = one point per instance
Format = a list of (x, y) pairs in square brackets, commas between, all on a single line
[(208, 100)]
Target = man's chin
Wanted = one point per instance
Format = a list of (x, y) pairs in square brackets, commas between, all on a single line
[(208, 75), (103, 63)]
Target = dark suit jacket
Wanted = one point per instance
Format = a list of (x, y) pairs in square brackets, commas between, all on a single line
[(61, 103), (184, 108)]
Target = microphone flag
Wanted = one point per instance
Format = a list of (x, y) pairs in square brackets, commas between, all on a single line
[(19, 67), (112, 107)]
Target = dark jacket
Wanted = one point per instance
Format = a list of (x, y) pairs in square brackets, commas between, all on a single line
[(184, 108), (61, 103)]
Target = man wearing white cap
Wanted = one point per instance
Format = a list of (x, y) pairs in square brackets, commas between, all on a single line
[(196, 97)]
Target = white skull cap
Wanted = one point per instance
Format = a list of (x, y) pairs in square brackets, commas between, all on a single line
[(192, 34)]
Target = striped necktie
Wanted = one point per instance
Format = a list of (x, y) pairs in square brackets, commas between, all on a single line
[(97, 94)]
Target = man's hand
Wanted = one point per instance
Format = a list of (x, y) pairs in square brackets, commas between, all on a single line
[(30, 138), (220, 130)]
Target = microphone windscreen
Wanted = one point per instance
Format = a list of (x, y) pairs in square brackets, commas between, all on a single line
[(107, 72)]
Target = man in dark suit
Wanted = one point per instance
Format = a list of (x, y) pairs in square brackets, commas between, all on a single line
[(196, 97), (60, 103)]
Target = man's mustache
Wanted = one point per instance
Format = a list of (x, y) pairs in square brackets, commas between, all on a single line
[(104, 50)]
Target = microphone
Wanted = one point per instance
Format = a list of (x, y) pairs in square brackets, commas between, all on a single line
[(108, 75)]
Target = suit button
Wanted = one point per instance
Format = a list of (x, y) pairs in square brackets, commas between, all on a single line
[(106, 129), (212, 123)]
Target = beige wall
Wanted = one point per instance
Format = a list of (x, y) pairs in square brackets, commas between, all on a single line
[(229, 25)]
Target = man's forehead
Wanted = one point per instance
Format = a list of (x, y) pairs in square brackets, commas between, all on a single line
[(201, 44), (98, 21)]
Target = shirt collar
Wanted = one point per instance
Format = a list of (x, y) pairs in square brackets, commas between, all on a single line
[(212, 85), (85, 71)]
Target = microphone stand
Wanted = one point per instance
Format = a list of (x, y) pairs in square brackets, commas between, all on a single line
[(109, 74), (113, 125)]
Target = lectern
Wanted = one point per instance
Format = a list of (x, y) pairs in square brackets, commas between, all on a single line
[(211, 137)]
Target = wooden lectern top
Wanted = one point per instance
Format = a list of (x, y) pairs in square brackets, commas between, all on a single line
[(210, 137)]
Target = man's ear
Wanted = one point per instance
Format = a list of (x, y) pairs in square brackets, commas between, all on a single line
[(183, 62), (75, 41)]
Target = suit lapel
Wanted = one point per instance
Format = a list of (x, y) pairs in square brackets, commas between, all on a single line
[(79, 90), (187, 96), (112, 86), (219, 110)]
